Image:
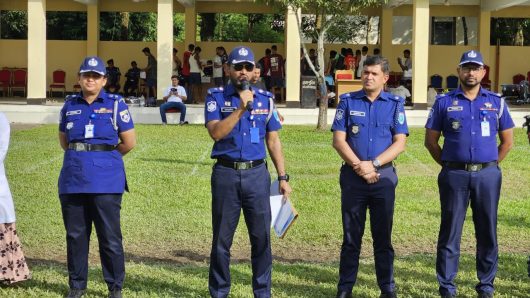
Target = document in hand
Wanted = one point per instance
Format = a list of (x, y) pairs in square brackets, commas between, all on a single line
[(282, 211)]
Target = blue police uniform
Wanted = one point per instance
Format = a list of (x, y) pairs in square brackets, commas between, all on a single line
[(370, 127), (469, 174), (91, 184), (240, 180)]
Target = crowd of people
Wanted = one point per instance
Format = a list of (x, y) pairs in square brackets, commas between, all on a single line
[(369, 132)]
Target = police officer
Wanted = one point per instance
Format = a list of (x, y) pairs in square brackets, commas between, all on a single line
[(241, 119), (469, 117), (95, 131), (369, 132)]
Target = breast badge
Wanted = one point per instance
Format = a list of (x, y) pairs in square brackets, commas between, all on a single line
[(355, 129)]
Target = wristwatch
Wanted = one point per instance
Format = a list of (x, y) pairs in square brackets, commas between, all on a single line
[(376, 163), (284, 177)]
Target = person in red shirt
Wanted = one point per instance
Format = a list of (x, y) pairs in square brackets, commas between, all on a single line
[(265, 63), (186, 67), (349, 60)]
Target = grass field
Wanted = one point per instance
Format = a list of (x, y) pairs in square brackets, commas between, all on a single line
[(166, 219)]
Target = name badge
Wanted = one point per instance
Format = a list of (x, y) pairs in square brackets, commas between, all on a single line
[(357, 113), (89, 131), (228, 109), (76, 112), (485, 127), (455, 109)]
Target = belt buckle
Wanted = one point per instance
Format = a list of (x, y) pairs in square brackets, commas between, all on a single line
[(80, 147), (242, 165), (473, 167)]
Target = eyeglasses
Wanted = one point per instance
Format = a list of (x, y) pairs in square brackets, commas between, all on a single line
[(468, 69), (240, 66)]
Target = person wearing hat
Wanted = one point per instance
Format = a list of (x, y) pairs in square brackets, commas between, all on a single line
[(241, 120), (369, 131), (470, 118), (95, 131)]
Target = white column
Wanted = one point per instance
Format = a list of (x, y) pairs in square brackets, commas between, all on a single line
[(386, 32), (36, 87), (190, 29), (164, 45), (420, 53), (292, 56)]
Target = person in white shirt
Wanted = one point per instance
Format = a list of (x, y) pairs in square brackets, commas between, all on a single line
[(218, 68), (364, 55), (174, 97)]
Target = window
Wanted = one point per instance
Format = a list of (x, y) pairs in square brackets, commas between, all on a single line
[(66, 25), (510, 31), (402, 30), (250, 27), (454, 31), (13, 24)]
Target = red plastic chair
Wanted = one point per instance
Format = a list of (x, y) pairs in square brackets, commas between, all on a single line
[(58, 78), (486, 82), (518, 78), (5, 81), (20, 81)]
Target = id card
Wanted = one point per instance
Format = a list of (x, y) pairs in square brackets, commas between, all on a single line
[(254, 135), (89, 131), (485, 127)]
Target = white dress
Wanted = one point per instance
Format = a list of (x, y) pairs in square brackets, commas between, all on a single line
[(7, 210)]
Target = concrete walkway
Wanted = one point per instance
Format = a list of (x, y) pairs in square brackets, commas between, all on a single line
[(17, 111)]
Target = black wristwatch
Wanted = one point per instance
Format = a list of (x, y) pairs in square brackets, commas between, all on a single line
[(376, 163), (284, 177)]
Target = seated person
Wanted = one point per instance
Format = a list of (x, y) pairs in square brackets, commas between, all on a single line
[(174, 97), (132, 77), (113, 77), (402, 91)]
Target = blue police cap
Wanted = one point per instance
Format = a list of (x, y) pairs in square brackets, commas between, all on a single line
[(241, 55), (93, 64), (471, 57)]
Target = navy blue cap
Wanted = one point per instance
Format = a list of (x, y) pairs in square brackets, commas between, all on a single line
[(471, 57), (93, 64), (241, 55)]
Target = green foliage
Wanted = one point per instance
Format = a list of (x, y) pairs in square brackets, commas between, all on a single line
[(510, 31), (66, 25), (241, 27), (14, 24), (166, 219), (140, 26)]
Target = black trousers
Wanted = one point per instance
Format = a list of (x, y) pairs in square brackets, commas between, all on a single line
[(79, 212)]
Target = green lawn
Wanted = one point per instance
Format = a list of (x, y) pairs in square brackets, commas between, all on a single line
[(166, 219)]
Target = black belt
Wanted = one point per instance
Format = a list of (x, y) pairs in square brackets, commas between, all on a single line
[(91, 147), (240, 165), (470, 167)]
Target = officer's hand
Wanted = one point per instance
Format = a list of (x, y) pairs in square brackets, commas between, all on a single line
[(364, 167), (371, 177), (285, 188), (245, 96)]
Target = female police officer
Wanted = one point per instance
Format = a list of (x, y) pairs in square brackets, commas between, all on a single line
[(95, 131)]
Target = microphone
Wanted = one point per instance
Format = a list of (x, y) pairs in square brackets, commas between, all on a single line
[(246, 86)]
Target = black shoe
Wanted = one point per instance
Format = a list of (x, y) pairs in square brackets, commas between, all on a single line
[(388, 295), (75, 293), (116, 293), (485, 295), (344, 294), (183, 122)]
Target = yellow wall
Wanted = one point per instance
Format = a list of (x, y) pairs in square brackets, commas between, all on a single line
[(14, 53)]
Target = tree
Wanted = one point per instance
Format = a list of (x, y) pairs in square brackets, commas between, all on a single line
[(327, 14)]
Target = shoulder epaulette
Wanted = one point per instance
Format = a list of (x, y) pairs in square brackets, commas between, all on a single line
[(215, 90), (396, 98), (345, 95), (69, 97)]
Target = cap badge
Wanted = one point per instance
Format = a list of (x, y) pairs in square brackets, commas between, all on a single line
[(488, 105), (472, 54), (243, 52), (93, 62)]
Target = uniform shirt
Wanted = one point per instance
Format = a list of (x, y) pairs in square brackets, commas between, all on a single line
[(180, 91), (238, 144), (93, 171), (469, 127), (133, 74), (370, 126)]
